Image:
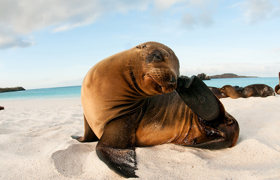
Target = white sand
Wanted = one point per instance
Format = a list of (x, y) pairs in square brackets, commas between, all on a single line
[(35, 143)]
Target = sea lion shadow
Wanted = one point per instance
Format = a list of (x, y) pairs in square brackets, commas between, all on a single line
[(71, 161)]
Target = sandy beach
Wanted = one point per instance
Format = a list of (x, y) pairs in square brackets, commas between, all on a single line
[(35, 143)]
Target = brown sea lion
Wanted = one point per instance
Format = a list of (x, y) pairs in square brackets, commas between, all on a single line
[(217, 92), (277, 87), (258, 90), (254, 90), (1, 108), (238, 89), (136, 98), (230, 91)]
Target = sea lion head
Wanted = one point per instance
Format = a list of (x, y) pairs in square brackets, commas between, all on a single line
[(159, 68), (217, 92), (224, 90), (229, 91)]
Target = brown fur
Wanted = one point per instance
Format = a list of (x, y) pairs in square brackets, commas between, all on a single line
[(258, 90), (129, 100), (230, 91), (254, 90), (118, 84), (1, 108), (217, 92), (277, 89), (109, 91)]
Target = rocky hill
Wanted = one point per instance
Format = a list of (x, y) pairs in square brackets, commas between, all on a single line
[(230, 75), (11, 89)]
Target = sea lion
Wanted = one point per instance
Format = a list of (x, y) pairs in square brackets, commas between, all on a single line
[(277, 87), (258, 90), (230, 91), (217, 92), (238, 89), (254, 90), (136, 98), (1, 108)]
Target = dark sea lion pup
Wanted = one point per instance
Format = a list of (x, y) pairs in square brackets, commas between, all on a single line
[(136, 98), (277, 87), (258, 90), (1, 108)]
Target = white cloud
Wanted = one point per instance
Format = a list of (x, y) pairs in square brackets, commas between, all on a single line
[(203, 16), (8, 42), (164, 4), (22, 17), (259, 10), (191, 21), (195, 12), (203, 3), (9, 39)]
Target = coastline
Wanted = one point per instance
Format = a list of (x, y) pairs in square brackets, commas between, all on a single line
[(54, 92), (35, 138), (75, 91)]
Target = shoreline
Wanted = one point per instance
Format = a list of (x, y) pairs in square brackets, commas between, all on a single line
[(75, 91)]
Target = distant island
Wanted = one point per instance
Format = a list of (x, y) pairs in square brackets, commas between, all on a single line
[(230, 75), (2, 90), (203, 76)]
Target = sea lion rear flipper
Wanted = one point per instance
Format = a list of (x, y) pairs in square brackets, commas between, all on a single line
[(198, 97), (117, 146), (89, 135)]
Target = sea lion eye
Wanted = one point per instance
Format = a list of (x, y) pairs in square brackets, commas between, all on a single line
[(155, 56)]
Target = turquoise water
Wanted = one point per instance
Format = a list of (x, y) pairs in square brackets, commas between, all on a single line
[(270, 81), (70, 91), (75, 91)]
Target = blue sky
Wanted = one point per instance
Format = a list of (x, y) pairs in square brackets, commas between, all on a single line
[(55, 42)]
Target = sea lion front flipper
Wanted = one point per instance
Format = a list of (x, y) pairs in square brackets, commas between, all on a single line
[(198, 97), (89, 135), (117, 146)]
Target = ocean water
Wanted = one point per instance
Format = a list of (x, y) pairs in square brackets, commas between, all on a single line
[(63, 92), (75, 91), (270, 81)]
